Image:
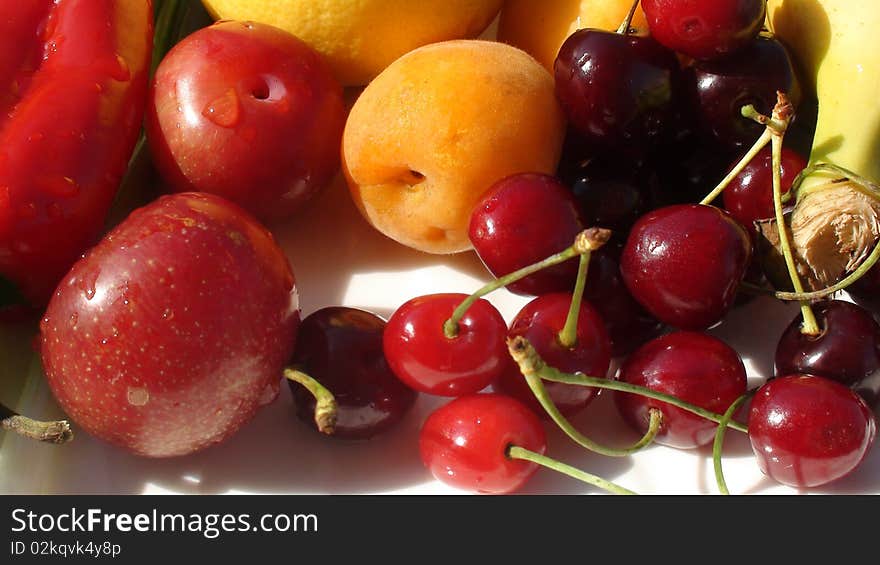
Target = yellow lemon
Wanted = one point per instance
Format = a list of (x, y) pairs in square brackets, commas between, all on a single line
[(361, 37), (539, 27)]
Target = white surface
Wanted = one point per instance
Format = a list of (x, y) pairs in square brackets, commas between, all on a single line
[(339, 259)]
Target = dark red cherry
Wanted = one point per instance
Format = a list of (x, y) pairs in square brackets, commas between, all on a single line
[(342, 349), (684, 264), (425, 359), (464, 443), (847, 350), (688, 169), (524, 219), (611, 190), (721, 88), (866, 290), (749, 197), (704, 30), (629, 325), (807, 431), (540, 321), (617, 90), (695, 367)]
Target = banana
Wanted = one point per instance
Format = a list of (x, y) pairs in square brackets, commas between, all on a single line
[(835, 223), (835, 42)]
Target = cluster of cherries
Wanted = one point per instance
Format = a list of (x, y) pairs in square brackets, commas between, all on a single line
[(622, 266)]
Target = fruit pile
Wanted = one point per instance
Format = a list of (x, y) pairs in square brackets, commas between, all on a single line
[(636, 173)]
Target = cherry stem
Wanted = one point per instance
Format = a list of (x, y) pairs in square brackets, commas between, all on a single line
[(534, 380), (517, 452), (530, 363), (568, 335), (627, 22), (718, 444), (774, 125), (586, 241), (738, 168), (57, 432), (536, 384), (325, 403), (783, 113)]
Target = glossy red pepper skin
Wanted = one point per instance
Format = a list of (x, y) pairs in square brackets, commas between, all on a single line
[(73, 85)]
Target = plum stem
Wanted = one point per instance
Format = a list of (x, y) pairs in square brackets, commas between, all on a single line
[(517, 452), (531, 364), (57, 431), (586, 241), (718, 443), (326, 409), (627, 22), (568, 335)]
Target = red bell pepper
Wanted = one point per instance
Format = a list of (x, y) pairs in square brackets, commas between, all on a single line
[(73, 86)]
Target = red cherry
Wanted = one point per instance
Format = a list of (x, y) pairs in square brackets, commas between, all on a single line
[(341, 348), (749, 197), (521, 220), (629, 325), (425, 359), (540, 322), (704, 30), (694, 367), (464, 443), (720, 88), (619, 91), (847, 350), (808, 431), (684, 264)]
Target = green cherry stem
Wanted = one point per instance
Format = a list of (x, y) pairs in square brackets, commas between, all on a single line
[(537, 386), (49, 432), (535, 382), (516, 452), (773, 126), (783, 112), (325, 402), (627, 22), (568, 335), (531, 364), (762, 142), (718, 444), (586, 241)]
